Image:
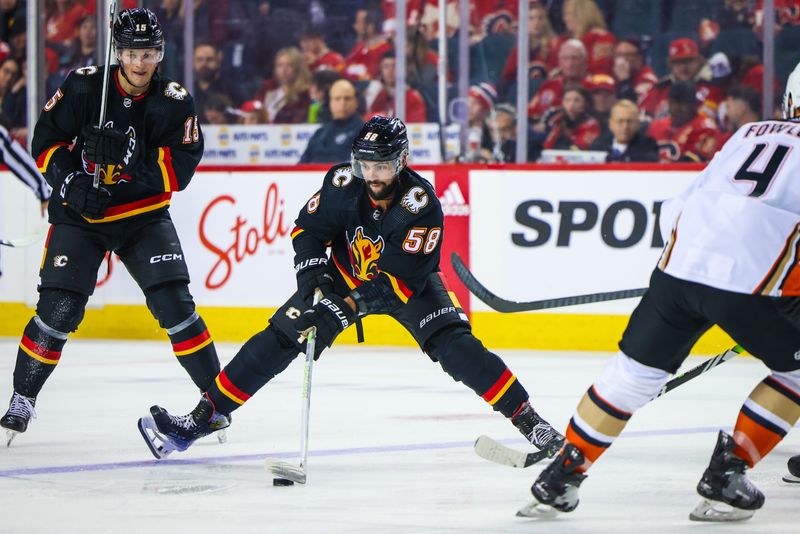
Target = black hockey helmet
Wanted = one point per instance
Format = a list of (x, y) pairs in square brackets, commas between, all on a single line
[(138, 28), (380, 139)]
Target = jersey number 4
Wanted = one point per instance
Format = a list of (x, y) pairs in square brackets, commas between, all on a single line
[(764, 177)]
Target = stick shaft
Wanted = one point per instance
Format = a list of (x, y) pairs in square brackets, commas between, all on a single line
[(104, 96)]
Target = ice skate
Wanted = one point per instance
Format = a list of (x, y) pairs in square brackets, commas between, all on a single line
[(538, 431), (556, 489), (793, 477), (20, 412), (728, 495), (165, 433)]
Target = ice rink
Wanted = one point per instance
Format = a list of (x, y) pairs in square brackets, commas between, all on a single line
[(391, 450)]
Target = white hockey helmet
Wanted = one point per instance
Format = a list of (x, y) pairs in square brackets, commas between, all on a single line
[(791, 97)]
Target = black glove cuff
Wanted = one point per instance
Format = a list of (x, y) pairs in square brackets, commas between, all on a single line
[(375, 297)]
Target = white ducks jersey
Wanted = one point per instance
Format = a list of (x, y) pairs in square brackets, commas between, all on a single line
[(737, 227)]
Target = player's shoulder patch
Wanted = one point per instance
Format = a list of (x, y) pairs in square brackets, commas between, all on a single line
[(175, 91), (342, 176), (415, 199), (87, 71)]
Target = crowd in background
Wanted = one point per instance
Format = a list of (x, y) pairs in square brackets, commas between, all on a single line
[(644, 80)]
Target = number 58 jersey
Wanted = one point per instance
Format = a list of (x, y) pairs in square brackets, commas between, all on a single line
[(737, 226)]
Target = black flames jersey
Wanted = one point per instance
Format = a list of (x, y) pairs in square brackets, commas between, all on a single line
[(401, 245), (161, 121)]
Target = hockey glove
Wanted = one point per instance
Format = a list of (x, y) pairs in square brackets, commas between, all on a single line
[(313, 273), (81, 197), (110, 146), (330, 316)]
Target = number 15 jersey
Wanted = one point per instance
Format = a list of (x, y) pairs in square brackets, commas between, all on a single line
[(737, 227)]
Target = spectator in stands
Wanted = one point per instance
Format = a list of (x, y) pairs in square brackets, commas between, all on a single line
[(685, 65), (422, 71), (685, 134), (380, 95), (15, 103), (624, 142), (480, 101), (321, 81), (208, 77), (332, 142), (9, 73), (572, 127), (743, 105), (602, 89), (316, 52), (63, 17), (634, 78), (12, 12), (584, 21), (252, 112), (285, 95), (82, 53), (217, 109), (18, 41), (363, 61), (170, 16), (501, 147), (543, 52), (572, 69)]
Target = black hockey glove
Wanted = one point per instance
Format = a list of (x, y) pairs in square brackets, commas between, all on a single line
[(81, 197), (330, 316), (313, 273), (110, 146)]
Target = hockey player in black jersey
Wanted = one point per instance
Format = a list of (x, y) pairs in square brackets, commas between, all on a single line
[(383, 225), (148, 149)]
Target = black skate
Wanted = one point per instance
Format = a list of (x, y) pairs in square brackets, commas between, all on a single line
[(794, 470), (538, 431), (20, 412), (165, 433), (728, 495), (556, 489)]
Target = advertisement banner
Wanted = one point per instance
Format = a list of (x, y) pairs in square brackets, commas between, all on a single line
[(556, 233), (234, 230), (452, 188), (283, 144)]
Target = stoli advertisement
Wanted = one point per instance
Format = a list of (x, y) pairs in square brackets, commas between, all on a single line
[(234, 230)]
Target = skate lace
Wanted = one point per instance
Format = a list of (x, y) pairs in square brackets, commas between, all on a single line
[(185, 422), (21, 406), (543, 434)]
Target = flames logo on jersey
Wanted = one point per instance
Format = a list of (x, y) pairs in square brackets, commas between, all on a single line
[(364, 254), (415, 199), (176, 91)]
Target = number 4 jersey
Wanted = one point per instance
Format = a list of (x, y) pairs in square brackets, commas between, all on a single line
[(737, 227)]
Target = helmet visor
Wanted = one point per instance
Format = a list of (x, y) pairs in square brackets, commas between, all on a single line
[(382, 170), (148, 56)]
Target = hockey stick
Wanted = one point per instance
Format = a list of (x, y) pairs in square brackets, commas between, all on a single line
[(104, 97), (25, 240), (510, 306), (492, 450), (280, 468)]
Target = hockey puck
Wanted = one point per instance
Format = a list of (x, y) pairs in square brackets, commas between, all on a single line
[(282, 482)]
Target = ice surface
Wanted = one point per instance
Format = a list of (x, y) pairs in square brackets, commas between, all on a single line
[(390, 450)]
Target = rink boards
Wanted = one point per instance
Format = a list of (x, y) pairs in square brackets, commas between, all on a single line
[(527, 233)]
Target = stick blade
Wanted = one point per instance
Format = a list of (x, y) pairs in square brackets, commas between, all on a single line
[(282, 469), (491, 450)]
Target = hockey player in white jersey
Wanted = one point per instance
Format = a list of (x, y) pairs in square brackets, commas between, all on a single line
[(730, 259)]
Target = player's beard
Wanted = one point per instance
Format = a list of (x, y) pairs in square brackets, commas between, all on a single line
[(385, 193)]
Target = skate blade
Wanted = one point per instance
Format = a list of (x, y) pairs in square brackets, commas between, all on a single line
[(10, 435), (537, 510), (281, 469), (715, 511), (791, 479), (158, 446)]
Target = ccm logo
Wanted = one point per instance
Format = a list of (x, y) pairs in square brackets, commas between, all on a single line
[(166, 257), (622, 225)]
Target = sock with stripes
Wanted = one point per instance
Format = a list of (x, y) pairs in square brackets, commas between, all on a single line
[(38, 354), (194, 348)]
